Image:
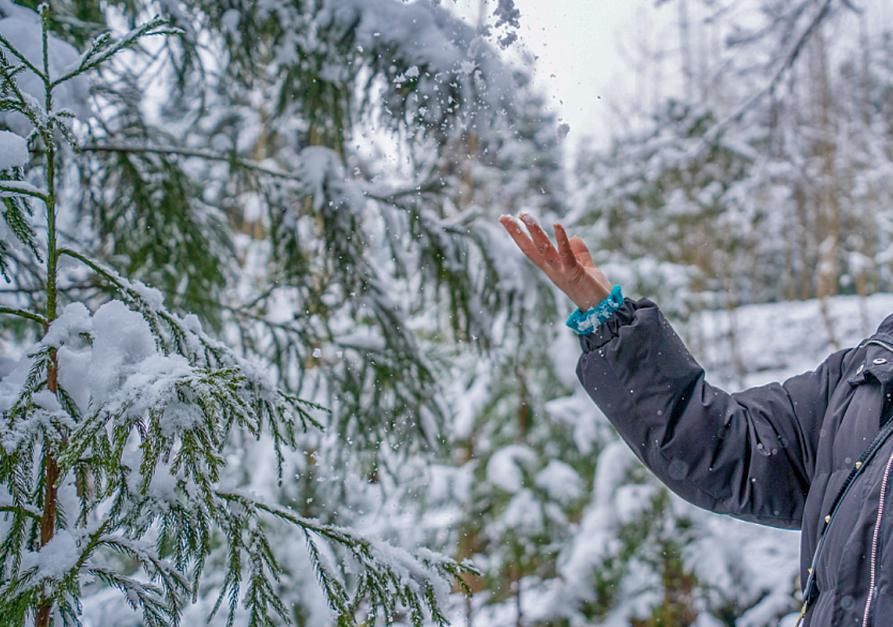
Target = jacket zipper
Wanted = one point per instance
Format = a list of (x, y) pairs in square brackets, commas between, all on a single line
[(874, 541), (859, 467), (877, 522), (809, 588)]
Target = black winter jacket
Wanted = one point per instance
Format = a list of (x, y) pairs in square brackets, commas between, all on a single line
[(781, 454)]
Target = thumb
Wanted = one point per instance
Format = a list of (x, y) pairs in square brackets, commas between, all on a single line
[(581, 252)]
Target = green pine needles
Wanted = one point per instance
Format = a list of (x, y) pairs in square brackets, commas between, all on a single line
[(115, 428)]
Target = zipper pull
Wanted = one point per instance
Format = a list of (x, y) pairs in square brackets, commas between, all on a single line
[(808, 593)]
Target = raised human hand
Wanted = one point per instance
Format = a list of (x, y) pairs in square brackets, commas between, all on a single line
[(570, 266)]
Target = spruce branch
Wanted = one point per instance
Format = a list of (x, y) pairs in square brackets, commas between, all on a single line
[(10, 187), (207, 155), (183, 337), (21, 510), (22, 313), (16, 211), (20, 101), (139, 595), (388, 577), (424, 187), (19, 56)]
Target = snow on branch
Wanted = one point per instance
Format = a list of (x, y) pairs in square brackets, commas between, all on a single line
[(104, 47), (388, 577), (184, 336), (10, 188)]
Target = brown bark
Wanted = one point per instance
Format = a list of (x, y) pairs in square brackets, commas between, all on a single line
[(50, 501)]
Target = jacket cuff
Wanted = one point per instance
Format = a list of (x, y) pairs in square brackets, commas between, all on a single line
[(585, 322), (610, 329)]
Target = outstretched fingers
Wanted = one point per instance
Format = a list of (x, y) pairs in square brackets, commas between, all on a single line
[(571, 254), (569, 266), (540, 239), (521, 239)]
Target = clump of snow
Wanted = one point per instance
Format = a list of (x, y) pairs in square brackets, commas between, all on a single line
[(523, 516), (13, 151), (121, 345), (46, 400), (73, 320), (152, 297), (559, 481), (323, 175), (507, 15), (230, 20), (110, 359), (419, 31), (432, 38), (57, 557), (564, 130), (504, 467)]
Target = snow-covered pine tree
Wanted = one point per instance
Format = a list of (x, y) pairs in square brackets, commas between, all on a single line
[(116, 421), (291, 139), (288, 141)]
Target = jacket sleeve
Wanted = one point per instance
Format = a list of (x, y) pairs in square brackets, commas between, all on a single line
[(749, 454)]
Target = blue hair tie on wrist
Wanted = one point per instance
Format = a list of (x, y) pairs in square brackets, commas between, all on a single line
[(585, 322)]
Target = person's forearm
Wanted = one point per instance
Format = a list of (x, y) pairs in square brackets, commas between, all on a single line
[(744, 454)]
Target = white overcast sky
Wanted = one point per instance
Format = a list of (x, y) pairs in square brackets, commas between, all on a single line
[(579, 63), (577, 43)]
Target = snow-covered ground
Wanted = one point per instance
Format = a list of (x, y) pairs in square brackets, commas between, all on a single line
[(781, 339)]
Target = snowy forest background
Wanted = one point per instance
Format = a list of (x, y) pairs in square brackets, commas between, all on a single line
[(262, 330)]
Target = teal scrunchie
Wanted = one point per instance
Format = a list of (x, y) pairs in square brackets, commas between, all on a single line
[(585, 322)]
